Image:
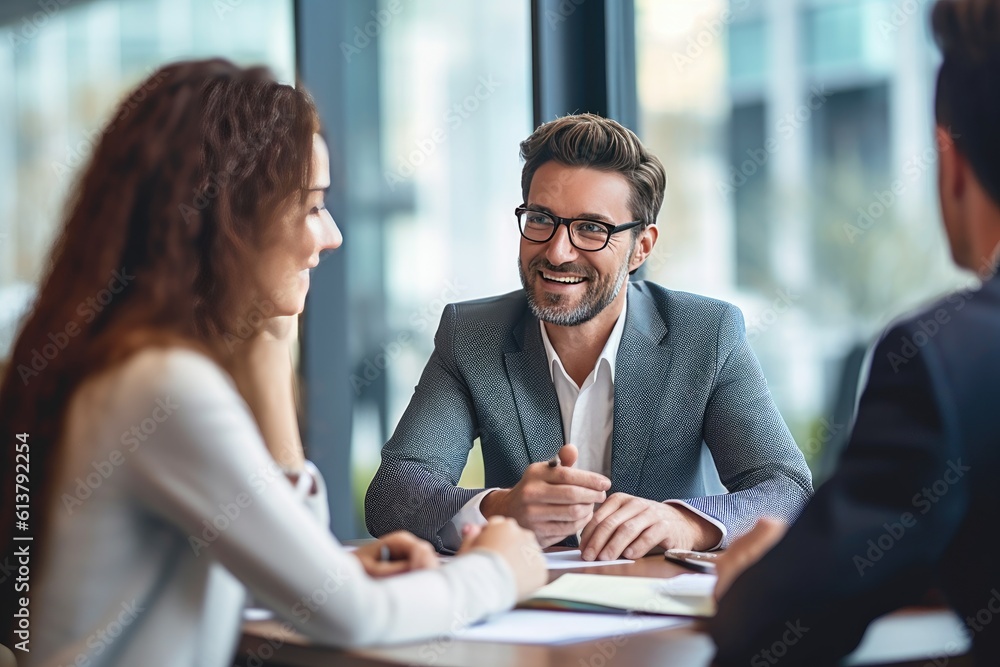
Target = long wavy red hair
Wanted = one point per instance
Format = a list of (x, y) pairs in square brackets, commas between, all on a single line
[(188, 173)]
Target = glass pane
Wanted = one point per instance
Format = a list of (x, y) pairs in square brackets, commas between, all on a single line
[(454, 86), (747, 52), (67, 73), (850, 34), (798, 140)]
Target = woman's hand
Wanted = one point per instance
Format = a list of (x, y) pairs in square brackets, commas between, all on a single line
[(282, 329), (407, 553), (261, 366), (517, 546)]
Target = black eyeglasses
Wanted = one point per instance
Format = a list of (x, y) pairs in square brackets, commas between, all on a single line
[(586, 235)]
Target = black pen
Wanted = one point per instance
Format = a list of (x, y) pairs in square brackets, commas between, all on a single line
[(554, 461)]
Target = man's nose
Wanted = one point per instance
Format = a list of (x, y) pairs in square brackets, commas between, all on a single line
[(559, 250)]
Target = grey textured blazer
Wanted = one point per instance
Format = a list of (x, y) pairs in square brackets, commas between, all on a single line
[(685, 374)]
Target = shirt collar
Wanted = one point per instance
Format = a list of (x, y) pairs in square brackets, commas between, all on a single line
[(608, 354)]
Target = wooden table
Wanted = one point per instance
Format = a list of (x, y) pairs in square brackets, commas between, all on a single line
[(687, 646)]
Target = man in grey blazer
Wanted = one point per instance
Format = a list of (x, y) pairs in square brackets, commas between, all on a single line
[(592, 402)]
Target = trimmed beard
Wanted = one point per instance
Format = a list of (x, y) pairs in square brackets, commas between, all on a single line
[(598, 296)]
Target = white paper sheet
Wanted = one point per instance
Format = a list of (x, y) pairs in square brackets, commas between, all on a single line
[(257, 614), (564, 560), (689, 584), (529, 626)]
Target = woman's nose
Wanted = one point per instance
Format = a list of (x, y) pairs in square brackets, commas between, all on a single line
[(329, 237)]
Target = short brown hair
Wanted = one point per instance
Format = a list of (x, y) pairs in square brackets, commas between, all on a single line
[(967, 100), (588, 140)]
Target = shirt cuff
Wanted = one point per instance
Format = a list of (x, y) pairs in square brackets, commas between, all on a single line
[(310, 488), (451, 534), (711, 519)]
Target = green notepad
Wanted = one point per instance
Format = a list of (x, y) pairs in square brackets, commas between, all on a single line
[(617, 595)]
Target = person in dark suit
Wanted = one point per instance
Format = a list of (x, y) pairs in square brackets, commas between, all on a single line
[(635, 376), (915, 500)]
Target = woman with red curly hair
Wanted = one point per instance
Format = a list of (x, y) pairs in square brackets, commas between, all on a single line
[(166, 470)]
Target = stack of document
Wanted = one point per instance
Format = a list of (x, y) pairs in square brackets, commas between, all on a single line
[(686, 595)]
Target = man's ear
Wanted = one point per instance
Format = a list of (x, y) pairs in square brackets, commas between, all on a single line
[(951, 166), (643, 246)]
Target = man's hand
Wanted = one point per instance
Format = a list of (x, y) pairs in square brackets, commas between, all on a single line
[(407, 552), (746, 551), (551, 502), (629, 526)]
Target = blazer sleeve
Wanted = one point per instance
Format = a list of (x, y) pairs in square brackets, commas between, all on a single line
[(207, 471), (868, 541), (416, 485), (755, 454)]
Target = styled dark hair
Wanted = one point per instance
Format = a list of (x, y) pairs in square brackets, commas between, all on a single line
[(184, 181), (588, 140), (967, 100)]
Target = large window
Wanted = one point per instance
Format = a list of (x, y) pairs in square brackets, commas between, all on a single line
[(454, 102), (796, 135), (785, 128), (63, 70)]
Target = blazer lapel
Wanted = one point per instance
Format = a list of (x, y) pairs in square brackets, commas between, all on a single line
[(642, 362), (534, 393)]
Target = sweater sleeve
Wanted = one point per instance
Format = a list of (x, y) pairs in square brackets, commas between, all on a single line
[(207, 471)]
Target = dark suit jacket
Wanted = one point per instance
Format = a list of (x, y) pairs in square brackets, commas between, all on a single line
[(914, 503), (684, 374)]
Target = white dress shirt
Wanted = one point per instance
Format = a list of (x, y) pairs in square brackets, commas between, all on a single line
[(588, 414)]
